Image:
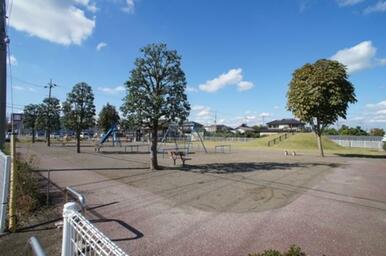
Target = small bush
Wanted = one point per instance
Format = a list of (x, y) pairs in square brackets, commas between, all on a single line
[(28, 198), (294, 250)]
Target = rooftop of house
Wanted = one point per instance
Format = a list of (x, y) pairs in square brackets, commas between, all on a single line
[(289, 121)]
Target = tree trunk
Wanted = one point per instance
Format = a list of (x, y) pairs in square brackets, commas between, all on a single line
[(48, 138), (33, 135), (77, 142), (153, 150), (320, 146)]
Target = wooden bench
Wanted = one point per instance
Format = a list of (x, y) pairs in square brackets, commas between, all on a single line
[(179, 154)]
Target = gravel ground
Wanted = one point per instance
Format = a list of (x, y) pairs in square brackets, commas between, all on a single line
[(228, 204)]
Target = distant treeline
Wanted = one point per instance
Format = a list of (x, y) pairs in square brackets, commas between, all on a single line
[(354, 131)]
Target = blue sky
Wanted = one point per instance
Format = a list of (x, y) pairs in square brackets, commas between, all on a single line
[(238, 56)]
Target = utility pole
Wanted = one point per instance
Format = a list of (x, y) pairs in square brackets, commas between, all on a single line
[(50, 86), (215, 118), (48, 125), (3, 72)]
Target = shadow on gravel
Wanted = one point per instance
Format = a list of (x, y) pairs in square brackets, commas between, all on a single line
[(138, 234), (221, 168), (124, 153), (362, 156)]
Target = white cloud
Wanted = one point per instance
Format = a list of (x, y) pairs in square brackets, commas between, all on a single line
[(381, 112), (191, 89), (265, 114), (202, 114), (276, 107), (12, 60), (129, 6), (245, 85), (201, 111), (348, 2), (376, 112), (381, 104), (378, 7), (232, 77), (359, 57), (22, 88), (100, 46), (59, 21), (112, 90)]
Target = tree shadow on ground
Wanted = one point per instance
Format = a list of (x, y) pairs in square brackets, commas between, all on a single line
[(223, 168), (123, 153), (362, 156)]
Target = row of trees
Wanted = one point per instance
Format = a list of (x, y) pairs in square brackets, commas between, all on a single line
[(155, 92), (78, 114), (354, 131), (318, 94)]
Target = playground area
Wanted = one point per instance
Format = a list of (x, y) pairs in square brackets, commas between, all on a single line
[(229, 203)]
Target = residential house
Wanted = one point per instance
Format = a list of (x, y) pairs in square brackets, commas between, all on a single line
[(218, 128), (290, 124)]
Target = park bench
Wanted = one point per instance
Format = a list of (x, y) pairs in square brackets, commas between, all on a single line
[(174, 155)]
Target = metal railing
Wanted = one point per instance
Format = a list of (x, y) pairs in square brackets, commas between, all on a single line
[(33, 247), (5, 165), (82, 238), (75, 194), (235, 139), (279, 139)]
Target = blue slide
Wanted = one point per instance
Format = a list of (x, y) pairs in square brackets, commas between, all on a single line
[(108, 133)]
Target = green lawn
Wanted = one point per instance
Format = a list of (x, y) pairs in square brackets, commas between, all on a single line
[(300, 142)]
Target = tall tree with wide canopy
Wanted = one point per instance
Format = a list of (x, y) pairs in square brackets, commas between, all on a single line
[(156, 91), (319, 94), (108, 116), (49, 117), (79, 110), (31, 113)]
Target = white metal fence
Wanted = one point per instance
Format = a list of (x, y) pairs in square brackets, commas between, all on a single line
[(374, 142), (80, 237), (238, 139), (5, 164)]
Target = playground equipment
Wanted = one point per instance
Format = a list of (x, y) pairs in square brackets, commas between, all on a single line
[(172, 133), (111, 132)]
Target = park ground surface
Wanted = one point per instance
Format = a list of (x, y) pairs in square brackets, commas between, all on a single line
[(225, 204)]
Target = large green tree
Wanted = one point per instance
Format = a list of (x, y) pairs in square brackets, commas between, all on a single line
[(108, 116), (79, 110), (319, 94), (31, 113), (156, 91), (49, 117), (377, 132)]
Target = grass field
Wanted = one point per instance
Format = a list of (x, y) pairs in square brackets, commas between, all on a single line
[(301, 142)]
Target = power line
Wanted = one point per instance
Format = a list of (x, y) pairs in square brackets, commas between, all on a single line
[(29, 83)]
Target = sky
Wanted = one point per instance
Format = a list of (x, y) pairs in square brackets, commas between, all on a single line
[(238, 56)]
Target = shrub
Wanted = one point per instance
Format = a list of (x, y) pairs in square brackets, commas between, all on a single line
[(294, 250), (28, 198), (268, 253)]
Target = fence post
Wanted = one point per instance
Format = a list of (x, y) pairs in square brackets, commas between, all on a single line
[(68, 210), (12, 184)]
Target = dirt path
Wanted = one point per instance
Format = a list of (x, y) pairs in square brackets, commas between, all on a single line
[(332, 206)]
